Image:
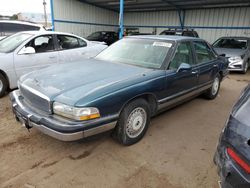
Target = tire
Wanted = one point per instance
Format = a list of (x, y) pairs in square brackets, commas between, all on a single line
[(3, 85), (245, 68), (212, 92), (133, 122)]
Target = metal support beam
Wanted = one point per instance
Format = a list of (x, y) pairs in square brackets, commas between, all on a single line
[(181, 14), (121, 19), (52, 14)]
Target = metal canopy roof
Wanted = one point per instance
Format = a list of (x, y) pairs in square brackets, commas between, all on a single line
[(158, 5)]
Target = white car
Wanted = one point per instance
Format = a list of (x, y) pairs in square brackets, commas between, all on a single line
[(24, 52), (10, 27)]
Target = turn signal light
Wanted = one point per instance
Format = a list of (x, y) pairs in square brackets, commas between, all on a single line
[(238, 160)]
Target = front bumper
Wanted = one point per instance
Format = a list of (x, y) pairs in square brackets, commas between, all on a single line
[(57, 127), (236, 66)]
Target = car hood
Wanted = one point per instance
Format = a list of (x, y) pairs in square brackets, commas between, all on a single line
[(229, 52), (70, 82)]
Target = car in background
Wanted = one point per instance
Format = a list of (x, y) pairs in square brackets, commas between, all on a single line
[(232, 156), (180, 32), (109, 37), (27, 51), (9, 27), (237, 50), (121, 88)]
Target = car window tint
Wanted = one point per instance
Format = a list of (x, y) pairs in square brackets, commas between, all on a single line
[(203, 52), (82, 43), (188, 33), (68, 42), (10, 28), (42, 44), (183, 54)]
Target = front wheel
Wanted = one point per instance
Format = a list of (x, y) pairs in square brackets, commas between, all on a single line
[(212, 92), (133, 122), (245, 68), (3, 85)]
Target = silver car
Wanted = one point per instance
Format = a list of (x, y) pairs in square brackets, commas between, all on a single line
[(32, 50), (237, 50)]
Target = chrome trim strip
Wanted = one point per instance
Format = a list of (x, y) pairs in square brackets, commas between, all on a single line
[(100, 129), (182, 97), (36, 92), (183, 92), (73, 136), (58, 135)]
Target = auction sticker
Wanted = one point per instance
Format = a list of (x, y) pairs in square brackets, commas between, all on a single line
[(162, 44)]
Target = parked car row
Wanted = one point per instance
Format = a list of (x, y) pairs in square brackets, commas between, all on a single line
[(71, 88)]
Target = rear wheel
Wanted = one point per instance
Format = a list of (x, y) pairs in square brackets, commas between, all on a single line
[(212, 92), (133, 122), (3, 85)]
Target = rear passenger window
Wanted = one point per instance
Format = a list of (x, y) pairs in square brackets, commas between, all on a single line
[(183, 54), (203, 52), (70, 42)]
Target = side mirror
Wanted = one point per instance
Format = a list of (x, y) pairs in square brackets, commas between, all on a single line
[(184, 67), (27, 50), (222, 55)]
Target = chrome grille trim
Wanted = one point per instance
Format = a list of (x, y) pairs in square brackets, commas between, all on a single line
[(35, 99)]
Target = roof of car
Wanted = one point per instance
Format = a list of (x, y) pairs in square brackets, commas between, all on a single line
[(20, 22), (165, 37), (45, 32), (234, 37)]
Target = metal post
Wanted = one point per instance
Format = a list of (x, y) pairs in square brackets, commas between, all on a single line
[(52, 14), (121, 19), (45, 13), (181, 14)]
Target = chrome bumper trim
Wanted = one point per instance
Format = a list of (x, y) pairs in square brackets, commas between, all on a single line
[(73, 136)]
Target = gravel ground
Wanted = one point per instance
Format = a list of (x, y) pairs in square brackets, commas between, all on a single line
[(176, 152)]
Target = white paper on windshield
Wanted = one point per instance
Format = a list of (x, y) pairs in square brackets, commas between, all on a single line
[(162, 44)]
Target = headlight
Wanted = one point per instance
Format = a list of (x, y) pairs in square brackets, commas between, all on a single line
[(236, 59), (75, 113)]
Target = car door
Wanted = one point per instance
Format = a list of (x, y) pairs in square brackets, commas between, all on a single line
[(43, 56), (181, 82), (206, 61), (72, 48)]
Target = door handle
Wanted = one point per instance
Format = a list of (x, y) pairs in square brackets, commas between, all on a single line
[(52, 57)]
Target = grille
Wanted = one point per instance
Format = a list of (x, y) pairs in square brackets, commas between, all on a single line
[(34, 100)]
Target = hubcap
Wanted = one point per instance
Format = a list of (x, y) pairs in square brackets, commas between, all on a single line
[(215, 86), (1, 85), (136, 122)]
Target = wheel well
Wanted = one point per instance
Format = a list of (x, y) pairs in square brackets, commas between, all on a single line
[(5, 76), (150, 98)]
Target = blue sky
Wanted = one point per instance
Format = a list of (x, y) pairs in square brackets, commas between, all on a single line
[(10, 7)]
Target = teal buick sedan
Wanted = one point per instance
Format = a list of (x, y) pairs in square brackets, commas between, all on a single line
[(120, 89)]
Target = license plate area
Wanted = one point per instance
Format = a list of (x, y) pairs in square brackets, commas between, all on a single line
[(23, 120)]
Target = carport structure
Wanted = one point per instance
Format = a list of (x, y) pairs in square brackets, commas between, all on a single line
[(211, 18)]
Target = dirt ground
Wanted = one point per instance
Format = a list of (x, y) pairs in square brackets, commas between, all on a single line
[(176, 152)]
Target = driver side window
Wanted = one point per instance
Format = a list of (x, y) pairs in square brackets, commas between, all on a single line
[(183, 54)]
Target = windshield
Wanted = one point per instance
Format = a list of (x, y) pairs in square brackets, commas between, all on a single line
[(146, 53), (9, 44), (231, 43)]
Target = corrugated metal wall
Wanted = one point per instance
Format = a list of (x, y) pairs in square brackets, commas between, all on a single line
[(82, 19), (209, 23)]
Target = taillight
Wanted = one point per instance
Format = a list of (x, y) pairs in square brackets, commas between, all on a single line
[(238, 160)]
